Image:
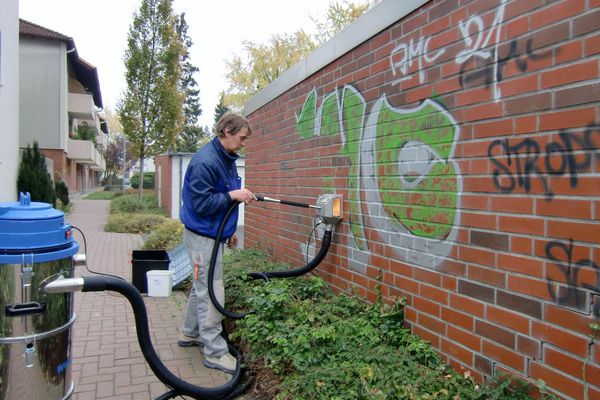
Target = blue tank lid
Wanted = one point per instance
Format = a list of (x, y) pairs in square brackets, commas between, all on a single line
[(35, 229)]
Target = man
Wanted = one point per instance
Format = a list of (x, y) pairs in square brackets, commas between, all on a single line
[(210, 185)]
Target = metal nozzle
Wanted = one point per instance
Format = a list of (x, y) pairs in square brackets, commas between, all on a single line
[(64, 285)]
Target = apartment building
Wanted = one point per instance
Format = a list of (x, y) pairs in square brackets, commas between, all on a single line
[(59, 101)]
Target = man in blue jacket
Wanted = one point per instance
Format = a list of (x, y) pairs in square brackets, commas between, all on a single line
[(210, 185)]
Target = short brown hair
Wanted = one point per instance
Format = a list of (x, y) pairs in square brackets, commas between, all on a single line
[(233, 122)]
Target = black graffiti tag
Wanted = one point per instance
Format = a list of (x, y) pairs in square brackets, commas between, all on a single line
[(486, 72), (574, 294), (519, 163)]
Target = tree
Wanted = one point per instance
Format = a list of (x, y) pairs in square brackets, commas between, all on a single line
[(221, 108), (191, 134), (260, 64), (117, 156), (151, 110), (337, 18), (33, 176)]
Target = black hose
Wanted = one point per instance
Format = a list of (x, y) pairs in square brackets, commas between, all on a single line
[(179, 387), (325, 243)]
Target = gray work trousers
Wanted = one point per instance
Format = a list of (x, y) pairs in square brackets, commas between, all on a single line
[(202, 318)]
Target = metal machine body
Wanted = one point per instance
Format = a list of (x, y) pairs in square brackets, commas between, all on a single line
[(36, 248)]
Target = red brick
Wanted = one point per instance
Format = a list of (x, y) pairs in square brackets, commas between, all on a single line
[(523, 265), (571, 208), (526, 124), (533, 226), (518, 8), (472, 96), (467, 305), (560, 338), (581, 231), (464, 337), (484, 111), (567, 119), (586, 70), (529, 347), (477, 256), (478, 220), (558, 11), (592, 45), (521, 245), (508, 319), (429, 276), (457, 318), (503, 355), (519, 26), (519, 85), (457, 352), (568, 52), (431, 323), (492, 128), (516, 205), (558, 380), (486, 275), (531, 287), (567, 318), (426, 305)]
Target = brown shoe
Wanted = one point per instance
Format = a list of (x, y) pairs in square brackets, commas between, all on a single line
[(226, 363), (188, 341)]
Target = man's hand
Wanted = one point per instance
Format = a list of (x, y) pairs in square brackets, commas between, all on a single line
[(242, 195), (232, 242)]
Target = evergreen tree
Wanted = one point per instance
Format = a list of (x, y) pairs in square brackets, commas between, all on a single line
[(151, 110), (33, 176), (191, 134), (220, 108)]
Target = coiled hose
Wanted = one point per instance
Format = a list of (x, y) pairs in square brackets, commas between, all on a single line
[(178, 386), (325, 243)]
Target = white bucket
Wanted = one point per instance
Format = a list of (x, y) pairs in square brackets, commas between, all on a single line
[(160, 283)]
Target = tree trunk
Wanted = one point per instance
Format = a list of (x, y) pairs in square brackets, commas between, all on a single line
[(141, 184)]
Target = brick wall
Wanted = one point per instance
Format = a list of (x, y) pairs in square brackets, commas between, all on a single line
[(465, 140)]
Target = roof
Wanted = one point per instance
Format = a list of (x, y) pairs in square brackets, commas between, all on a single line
[(85, 72)]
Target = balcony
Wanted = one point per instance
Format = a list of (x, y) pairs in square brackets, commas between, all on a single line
[(81, 106), (84, 152), (81, 109)]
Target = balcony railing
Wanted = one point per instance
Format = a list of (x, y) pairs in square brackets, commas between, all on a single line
[(84, 152)]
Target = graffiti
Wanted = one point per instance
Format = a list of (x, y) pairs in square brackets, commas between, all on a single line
[(518, 164), (403, 56), (571, 292), (402, 180), (476, 48), (493, 73)]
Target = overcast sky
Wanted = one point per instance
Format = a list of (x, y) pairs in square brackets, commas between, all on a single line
[(217, 28)]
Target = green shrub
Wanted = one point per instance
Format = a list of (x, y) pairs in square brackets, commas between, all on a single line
[(320, 345), (148, 180), (62, 192), (132, 223), (129, 203), (33, 176), (167, 235)]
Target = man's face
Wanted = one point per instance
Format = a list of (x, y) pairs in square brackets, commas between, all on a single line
[(234, 143)]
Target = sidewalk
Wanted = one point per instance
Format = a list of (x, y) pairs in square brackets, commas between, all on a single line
[(107, 360)]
